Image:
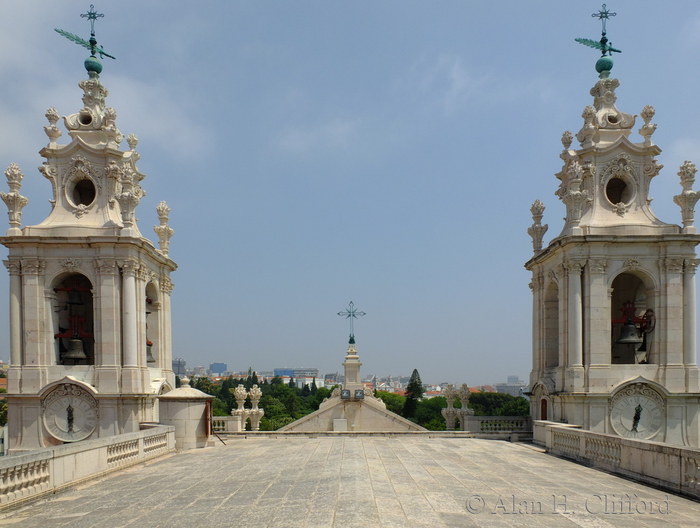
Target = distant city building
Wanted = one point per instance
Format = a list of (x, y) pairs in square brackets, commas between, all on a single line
[(199, 371), (284, 372), (179, 367), (514, 386), (217, 369), (305, 372)]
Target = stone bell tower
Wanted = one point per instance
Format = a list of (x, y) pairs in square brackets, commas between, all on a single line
[(89, 295), (614, 294)]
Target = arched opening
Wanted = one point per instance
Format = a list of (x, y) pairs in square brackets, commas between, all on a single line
[(551, 326), (543, 410), (152, 326), (629, 303), (74, 321)]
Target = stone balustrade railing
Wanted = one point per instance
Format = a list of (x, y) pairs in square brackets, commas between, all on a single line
[(227, 424), (667, 466), (27, 476), (500, 424)]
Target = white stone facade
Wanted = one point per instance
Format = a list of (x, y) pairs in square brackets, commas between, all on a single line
[(89, 295), (612, 250)]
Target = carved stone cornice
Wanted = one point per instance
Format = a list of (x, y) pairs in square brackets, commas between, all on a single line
[(597, 265), (13, 266), (33, 267)]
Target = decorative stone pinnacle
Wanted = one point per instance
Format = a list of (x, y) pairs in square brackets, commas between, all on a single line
[(164, 231), (14, 200), (688, 198), (647, 128), (537, 230), (566, 139)]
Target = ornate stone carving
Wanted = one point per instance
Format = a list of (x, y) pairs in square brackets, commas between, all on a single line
[(537, 230), (13, 266), (106, 267), (672, 265), (566, 139), (688, 198), (71, 265), (33, 267), (80, 169), (129, 197), (68, 389), (164, 231), (132, 140), (52, 130), (619, 167), (130, 267), (114, 137), (632, 264), (585, 135), (14, 200), (574, 198), (647, 128), (574, 266), (166, 285), (691, 265), (597, 265)]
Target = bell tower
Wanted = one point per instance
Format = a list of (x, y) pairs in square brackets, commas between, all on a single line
[(614, 305), (89, 294)]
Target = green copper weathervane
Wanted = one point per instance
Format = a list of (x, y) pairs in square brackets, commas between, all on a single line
[(351, 313), (605, 63), (92, 64)]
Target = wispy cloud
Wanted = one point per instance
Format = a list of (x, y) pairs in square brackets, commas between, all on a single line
[(335, 134)]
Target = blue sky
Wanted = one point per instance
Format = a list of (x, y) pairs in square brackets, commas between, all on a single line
[(318, 152)]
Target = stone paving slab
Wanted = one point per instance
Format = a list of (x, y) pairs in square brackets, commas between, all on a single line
[(350, 482)]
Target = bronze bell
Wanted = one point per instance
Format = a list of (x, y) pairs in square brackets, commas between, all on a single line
[(629, 335), (74, 297), (75, 350)]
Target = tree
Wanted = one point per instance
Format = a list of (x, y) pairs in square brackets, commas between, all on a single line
[(498, 404), (414, 392), (291, 383), (393, 402), (314, 388)]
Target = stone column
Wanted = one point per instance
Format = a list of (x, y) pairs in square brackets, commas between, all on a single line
[(598, 314), (34, 373), (14, 267), (108, 344), (575, 314), (165, 322), (689, 307), (130, 379)]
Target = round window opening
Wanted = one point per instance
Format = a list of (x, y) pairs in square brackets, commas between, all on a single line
[(84, 192), (618, 191)]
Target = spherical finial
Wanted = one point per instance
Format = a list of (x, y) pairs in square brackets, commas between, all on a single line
[(603, 66), (93, 66)]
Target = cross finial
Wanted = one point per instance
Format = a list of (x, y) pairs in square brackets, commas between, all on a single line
[(92, 15), (351, 313), (603, 15)]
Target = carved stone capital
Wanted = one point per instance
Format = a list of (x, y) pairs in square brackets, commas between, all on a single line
[(574, 266), (597, 265), (130, 267), (33, 267), (13, 266), (672, 265), (106, 267), (691, 265), (166, 285)]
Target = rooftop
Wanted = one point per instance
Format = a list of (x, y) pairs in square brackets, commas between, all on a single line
[(348, 481)]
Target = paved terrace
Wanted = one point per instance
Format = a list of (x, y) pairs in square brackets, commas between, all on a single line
[(346, 482)]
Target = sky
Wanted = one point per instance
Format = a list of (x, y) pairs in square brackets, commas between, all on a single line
[(319, 152)]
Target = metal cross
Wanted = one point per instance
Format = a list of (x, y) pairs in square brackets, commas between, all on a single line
[(351, 313), (603, 15), (93, 15)]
